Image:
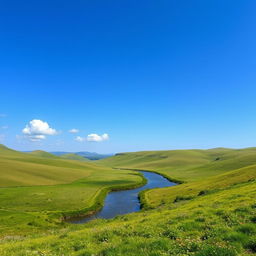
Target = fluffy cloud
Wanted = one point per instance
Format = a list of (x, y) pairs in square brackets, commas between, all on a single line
[(73, 131), (93, 137), (97, 138), (37, 130)]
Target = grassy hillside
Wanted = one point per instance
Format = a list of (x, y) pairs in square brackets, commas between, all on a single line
[(41, 153), (36, 186), (217, 224), (190, 190), (185, 165), (203, 171), (213, 213), (40, 168)]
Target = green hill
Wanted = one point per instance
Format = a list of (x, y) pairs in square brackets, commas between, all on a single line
[(212, 213), (41, 153), (185, 165), (39, 168)]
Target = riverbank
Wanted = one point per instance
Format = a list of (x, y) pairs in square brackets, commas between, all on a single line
[(99, 201), (126, 201)]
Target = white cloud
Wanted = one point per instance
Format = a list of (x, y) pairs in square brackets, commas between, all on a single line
[(97, 138), (73, 130), (37, 137), (93, 137), (37, 130), (5, 127)]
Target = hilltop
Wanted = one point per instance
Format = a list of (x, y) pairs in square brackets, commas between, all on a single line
[(41, 153), (185, 165), (72, 156), (40, 168)]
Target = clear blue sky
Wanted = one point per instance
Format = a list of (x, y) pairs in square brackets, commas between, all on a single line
[(150, 74)]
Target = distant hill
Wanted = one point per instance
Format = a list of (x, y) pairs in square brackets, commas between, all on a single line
[(41, 153), (72, 156), (85, 154), (40, 168), (186, 165)]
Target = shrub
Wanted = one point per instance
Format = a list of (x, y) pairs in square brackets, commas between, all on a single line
[(172, 234), (251, 245), (182, 198), (253, 219), (200, 219), (203, 192)]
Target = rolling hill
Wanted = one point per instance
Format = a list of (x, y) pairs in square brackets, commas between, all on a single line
[(185, 165), (211, 213), (39, 168), (41, 153)]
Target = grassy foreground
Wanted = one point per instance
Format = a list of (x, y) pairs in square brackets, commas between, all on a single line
[(218, 224), (213, 213)]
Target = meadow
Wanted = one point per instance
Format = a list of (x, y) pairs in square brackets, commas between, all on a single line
[(39, 189), (212, 212)]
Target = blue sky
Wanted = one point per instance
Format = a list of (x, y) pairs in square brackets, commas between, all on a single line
[(149, 74)]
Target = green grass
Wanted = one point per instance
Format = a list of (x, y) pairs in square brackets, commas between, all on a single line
[(32, 184), (219, 224), (37, 168), (212, 213), (156, 197), (186, 165), (203, 171)]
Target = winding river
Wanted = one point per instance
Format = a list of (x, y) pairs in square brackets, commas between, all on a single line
[(126, 201)]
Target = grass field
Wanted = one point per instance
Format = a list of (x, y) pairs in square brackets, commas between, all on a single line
[(186, 165), (212, 213), (36, 183), (218, 224)]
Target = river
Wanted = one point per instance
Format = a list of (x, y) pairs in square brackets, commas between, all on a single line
[(126, 201)]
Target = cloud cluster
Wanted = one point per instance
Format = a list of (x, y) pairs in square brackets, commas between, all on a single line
[(93, 137), (73, 131), (97, 138), (37, 130)]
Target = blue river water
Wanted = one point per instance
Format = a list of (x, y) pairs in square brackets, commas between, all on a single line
[(126, 201)]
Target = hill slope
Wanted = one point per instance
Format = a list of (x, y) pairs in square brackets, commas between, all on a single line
[(212, 213), (218, 224), (40, 168), (185, 165), (41, 153)]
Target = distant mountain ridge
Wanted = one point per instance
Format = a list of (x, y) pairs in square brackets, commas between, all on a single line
[(85, 154)]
